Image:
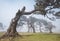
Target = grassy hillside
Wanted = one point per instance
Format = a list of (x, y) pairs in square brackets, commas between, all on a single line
[(34, 37)]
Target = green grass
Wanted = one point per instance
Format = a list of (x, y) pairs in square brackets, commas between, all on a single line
[(35, 37)]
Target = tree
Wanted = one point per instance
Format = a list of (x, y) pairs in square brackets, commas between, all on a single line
[(49, 27), (40, 6), (40, 25), (11, 31), (32, 20), (44, 4), (40, 22)]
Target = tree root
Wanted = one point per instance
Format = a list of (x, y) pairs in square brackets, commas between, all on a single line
[(10, 35)]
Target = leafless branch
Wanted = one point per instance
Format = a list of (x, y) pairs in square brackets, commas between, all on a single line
[(27, 13)]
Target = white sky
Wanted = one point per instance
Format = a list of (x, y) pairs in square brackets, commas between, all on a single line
[(8, 9)]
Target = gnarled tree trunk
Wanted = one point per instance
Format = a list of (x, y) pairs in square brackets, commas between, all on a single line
[(12, 28), (11, 31)]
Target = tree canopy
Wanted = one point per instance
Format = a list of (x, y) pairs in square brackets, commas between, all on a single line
[(42, 5)]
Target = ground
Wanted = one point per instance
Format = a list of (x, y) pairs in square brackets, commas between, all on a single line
[(34, 37)]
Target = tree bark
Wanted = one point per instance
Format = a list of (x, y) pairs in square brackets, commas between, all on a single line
[(12, 28), (11, 31)]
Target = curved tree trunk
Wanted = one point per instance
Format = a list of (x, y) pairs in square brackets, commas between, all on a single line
[(11, 31), (12, 28)]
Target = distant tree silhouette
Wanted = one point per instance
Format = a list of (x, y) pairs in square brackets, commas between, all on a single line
[(49, 27), (1, 26)]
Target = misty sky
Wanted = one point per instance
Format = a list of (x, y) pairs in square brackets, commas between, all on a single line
[(8, 9)]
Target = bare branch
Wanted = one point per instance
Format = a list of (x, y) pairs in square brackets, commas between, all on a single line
[(57, 14), (50, 9), (27, 13), (53, 19)]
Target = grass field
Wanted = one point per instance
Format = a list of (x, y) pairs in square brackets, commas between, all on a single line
[(34, 37)]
